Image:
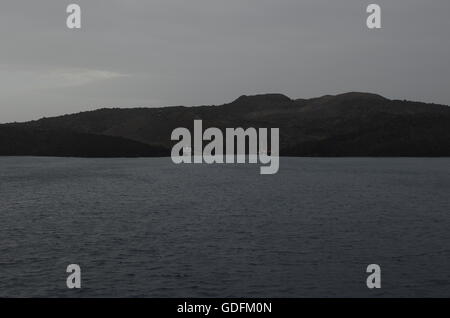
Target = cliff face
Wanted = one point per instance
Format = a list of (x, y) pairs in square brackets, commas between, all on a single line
[(352, 124)]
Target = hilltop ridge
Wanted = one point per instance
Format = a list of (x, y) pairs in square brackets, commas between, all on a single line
[(350, 124)]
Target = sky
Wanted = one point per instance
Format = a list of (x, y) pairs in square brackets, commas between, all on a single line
[(152, 53)]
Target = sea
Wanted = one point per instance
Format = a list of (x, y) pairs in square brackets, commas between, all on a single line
[(146, 227)]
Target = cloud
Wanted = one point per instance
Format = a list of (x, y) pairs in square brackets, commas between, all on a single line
[(78, 77), (16, 80)]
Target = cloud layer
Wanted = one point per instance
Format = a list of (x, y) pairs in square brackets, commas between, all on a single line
[(172, 52)]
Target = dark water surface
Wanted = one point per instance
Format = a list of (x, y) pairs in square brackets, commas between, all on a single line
[(149, 228)]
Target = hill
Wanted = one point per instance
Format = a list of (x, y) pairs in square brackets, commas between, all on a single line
[(351, 124)]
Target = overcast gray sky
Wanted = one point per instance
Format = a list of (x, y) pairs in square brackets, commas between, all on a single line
[(201, 52)]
